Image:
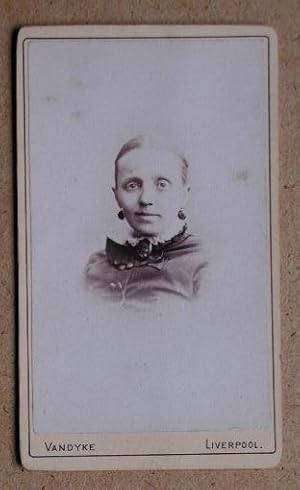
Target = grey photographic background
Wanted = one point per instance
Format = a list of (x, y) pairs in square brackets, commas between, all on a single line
[(96, 369)]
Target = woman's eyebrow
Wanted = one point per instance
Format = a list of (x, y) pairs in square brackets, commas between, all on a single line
[(131, 179), (161, 177)]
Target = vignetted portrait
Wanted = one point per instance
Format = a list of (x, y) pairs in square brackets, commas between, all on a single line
[(161, 258)]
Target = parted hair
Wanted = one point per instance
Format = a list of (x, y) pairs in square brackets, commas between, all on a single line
[(141, 141)]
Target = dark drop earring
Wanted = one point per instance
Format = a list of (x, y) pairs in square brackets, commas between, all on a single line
[(121, 214), (181, 214)]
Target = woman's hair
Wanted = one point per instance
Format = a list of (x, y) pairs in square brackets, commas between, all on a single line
[(142, 141)]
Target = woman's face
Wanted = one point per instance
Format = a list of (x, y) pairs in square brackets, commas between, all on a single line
[(150, 190)]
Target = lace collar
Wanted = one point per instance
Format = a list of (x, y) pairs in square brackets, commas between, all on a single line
[(161, 239)]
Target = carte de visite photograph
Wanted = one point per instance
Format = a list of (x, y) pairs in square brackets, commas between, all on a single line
[(148, 247)]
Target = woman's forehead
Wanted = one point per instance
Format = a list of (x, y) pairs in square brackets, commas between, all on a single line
[(147, 163)]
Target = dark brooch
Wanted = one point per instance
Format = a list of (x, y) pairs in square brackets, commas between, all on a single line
[(144, 250)]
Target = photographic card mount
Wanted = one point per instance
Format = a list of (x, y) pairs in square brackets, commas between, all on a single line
[(114, 385)]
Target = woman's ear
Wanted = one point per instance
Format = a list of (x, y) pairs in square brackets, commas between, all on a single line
[(116, 195), (186, 195)]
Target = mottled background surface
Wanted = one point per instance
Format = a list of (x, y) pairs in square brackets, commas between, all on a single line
[(284, 16)]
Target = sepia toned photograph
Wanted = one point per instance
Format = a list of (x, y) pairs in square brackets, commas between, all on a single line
[(147, 228)]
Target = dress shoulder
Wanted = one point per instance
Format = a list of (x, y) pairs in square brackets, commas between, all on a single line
[(94, 267)]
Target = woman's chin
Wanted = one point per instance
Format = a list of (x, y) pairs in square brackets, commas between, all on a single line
[(147, 231), (152, 230)]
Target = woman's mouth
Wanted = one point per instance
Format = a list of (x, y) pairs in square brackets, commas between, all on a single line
[(145, 214)]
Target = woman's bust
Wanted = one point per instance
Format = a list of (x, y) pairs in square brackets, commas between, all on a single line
[(160, 259)]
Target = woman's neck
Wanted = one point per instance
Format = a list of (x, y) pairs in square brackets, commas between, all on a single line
[(173, 231)]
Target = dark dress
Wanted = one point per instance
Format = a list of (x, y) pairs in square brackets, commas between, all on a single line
[(173, 270)]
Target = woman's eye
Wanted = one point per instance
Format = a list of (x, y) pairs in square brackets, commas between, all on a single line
[(132, 186), (162, 184)]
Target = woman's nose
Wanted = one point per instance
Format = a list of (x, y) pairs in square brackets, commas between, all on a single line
[(146, 197)]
